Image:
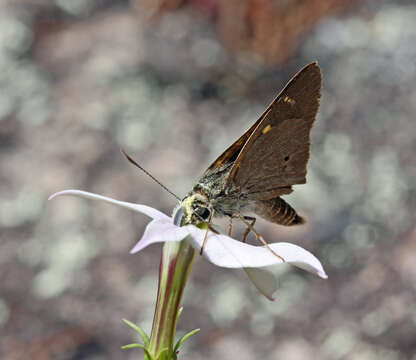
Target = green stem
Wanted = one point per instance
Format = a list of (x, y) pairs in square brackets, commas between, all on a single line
[(175, 264)]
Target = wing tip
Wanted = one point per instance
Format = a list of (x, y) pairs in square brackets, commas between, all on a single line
[(313, 64)]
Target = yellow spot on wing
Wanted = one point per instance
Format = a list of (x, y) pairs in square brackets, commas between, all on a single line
[(287, 99), (266, 129)]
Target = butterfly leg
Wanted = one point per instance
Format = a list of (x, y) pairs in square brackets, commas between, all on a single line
[(204, 242), (253, 221), (206, 234), (258, 236), (230, 225)]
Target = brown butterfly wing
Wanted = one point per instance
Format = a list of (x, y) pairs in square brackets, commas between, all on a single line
[(232, 152), (230, 155), (276, 148)]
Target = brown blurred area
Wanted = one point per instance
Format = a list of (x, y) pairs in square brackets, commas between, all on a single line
[(269, 30), (174, 83)]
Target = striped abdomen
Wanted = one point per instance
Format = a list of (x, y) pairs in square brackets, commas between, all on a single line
[(277, 211)]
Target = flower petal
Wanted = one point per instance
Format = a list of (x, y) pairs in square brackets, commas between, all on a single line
[(147, 210), (263, 280), (226, 252), (298, 256), (160, 231)]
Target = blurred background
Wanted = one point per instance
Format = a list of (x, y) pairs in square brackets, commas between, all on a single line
[(175, 82)]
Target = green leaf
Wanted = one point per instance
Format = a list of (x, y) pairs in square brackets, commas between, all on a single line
[(132, 346), (138, 346), (163, 355), (180, 311), (140, 331), (183, 338)]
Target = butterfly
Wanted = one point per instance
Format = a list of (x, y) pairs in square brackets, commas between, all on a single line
[(263, 164)]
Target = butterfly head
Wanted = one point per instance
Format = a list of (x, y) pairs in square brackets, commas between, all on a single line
[(193, 209)]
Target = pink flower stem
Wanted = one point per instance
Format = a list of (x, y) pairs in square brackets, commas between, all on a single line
[(175, 264)]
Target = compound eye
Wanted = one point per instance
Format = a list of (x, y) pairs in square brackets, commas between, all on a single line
[(203, 212)]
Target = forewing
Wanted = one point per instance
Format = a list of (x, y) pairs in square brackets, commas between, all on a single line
[(232, 152), (275, 155)]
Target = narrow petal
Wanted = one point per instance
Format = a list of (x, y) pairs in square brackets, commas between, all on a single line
[(226, 252), (263, 280), (147, 210), (160, 231)]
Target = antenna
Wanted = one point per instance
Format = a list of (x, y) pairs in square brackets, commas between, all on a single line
[(148, 174), (163, 186)]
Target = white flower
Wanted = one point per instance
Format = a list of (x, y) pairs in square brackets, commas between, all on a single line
[(219, 249)]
